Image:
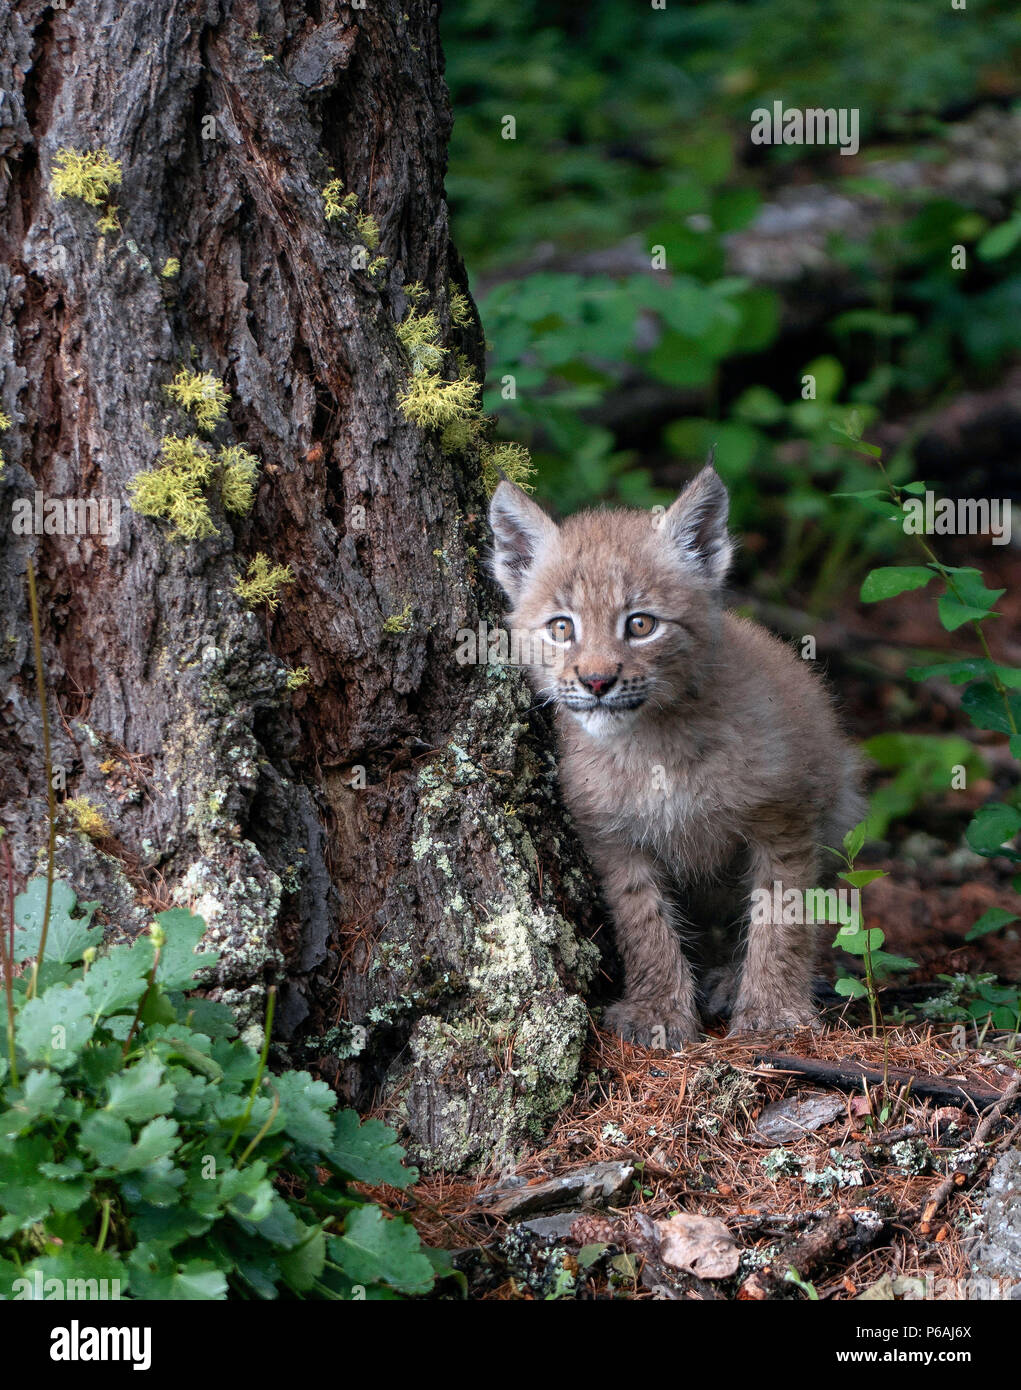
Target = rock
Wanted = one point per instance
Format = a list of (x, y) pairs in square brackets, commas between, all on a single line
[(596, 1182), (795, 1116), (997, 1258)]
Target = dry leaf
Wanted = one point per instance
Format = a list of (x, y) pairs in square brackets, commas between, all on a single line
[(698, 1244)]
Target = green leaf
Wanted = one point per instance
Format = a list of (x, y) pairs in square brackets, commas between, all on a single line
[(306, 1108), (156, 1274), (970, 600), (850, 988), (954, 615), (178, 961), (987, 708), (1000, 240), (858, 878), (855, 839), (991, 920), (373, 1250), (40, 1094), (885, 963), (367, 1151), (991, 828), (855, 942), (79, 1268), (965, 669), (68, 937), (302, 1266), (116, 980), (890, 580), (109, 1139), (53, 1027), (136, 1094)]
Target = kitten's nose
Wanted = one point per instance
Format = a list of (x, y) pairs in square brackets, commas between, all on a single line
[(598, 685)]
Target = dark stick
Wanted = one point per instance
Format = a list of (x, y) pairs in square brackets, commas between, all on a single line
[(849, 1075)]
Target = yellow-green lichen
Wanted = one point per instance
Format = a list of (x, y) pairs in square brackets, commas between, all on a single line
[(201, 393), (86, 816), (511, 461), (85, 174), (109, 222), (5, 424), (263, 582), (419, 336), (240, 470), (460, 307), (174, 492), (399, 622), (462, 434), (171, 268), (299, 678), (367, 230), (432, 402), (335, 205)]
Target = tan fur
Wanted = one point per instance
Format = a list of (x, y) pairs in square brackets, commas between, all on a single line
[(712, 765)]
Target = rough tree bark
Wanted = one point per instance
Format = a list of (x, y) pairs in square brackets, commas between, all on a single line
[(430, 928)]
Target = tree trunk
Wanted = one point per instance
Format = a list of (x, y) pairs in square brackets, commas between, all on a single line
[(385, 841)]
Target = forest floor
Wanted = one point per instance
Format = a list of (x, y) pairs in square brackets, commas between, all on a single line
[(865, 1188)]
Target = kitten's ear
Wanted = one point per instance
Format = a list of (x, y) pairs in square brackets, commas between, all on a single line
[(697, 524), (521, 531)]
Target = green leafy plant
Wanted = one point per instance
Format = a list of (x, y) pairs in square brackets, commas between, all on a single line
[(992, 697), (141, 1141), (866, 943)]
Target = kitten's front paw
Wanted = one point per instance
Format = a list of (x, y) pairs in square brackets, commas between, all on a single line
[(773, 1018), (652, 1025)]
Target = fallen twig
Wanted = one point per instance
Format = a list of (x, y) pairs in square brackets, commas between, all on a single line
[(849, 1075), (838, 1232)]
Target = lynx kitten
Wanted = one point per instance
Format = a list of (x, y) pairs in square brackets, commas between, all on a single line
[(699, 756)]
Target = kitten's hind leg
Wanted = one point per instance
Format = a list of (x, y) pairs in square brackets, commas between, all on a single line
[(658, 1008)]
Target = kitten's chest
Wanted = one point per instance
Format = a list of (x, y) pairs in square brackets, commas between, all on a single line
[(667, 809)]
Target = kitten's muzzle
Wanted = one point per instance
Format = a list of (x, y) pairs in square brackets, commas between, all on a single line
[(598, 685)]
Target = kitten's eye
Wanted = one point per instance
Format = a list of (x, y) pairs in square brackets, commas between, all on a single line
[(560, 629), (640, 625)]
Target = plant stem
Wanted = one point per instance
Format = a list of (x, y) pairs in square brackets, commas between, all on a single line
[(141, 1003), (105, 1225), (7, 957), (271, 1000), (37, 640)]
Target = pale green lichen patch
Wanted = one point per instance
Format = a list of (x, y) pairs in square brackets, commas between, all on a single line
[(85, 174), (262, 583), (240, 471), (399, 622), (487, 1077), (202, 394), (175, 491)]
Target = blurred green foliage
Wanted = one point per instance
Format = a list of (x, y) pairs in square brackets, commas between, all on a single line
[(632, 133)]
